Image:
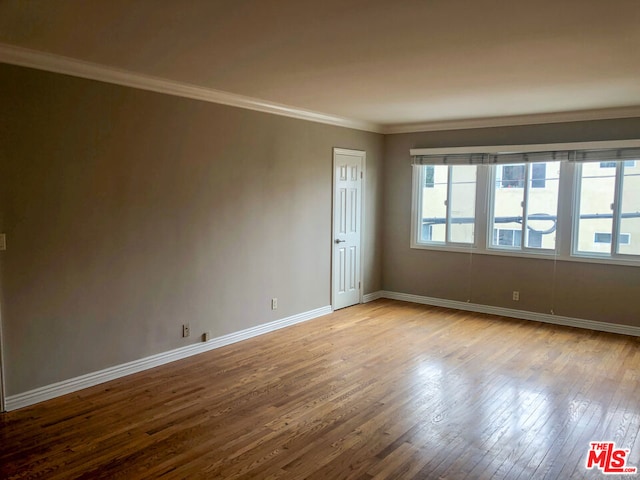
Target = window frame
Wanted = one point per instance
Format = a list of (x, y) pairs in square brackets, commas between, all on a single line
[(526, 189), (613, 253), (419, 183), (567, 203)]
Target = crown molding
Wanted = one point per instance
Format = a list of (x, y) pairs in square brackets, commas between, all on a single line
[(78, 68), (514, 120)]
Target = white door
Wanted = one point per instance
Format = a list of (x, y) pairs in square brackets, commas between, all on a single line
[(2, 405), (348, 177)]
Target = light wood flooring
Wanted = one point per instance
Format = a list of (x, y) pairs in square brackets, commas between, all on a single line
[(382, 390)]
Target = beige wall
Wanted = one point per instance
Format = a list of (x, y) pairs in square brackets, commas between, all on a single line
[(582, 290), (128, 213)]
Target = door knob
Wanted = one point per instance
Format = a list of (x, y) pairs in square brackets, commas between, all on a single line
[(340, 241)]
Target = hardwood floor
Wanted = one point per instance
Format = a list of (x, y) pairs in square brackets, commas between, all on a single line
[(382, 390)]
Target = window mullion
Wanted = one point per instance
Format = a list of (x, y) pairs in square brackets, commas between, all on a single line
[(617, 201), (569, 193), (447, 236), (525, 207), (419, 180), (483, 192)]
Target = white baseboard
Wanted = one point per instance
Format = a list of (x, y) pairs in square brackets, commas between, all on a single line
[(370, 297), (64, 387), (513, 313)]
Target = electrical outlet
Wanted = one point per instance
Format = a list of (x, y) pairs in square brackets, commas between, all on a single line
[(516, 295), (274, 304), (206, 336), (185, 330)]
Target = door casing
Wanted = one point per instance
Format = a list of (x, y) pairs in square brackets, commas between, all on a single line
[(361, 155)]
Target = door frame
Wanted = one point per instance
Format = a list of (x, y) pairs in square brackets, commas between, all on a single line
[(363, 169)]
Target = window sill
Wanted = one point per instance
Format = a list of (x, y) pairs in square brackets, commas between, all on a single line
[(527, 254)]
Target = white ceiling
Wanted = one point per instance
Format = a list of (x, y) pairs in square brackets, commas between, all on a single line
[(388, 63)]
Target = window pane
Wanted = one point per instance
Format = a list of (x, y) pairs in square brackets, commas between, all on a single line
[(597, 188), (462, 203), (629, 236), (507, 204), (434, 210), (542, 205)]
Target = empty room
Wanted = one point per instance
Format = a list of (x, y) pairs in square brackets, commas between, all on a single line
[(329, 240)]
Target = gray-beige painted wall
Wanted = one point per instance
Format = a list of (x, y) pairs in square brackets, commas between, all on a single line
[(128, 213), (605, 293)]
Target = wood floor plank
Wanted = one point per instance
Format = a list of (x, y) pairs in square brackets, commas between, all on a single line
[(383, 390)]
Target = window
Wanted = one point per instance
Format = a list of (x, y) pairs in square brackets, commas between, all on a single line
[(531, 210), (627, 163), (535, 238), (628, 213), (427, 232), (538, 175), (512, 176), (447, 204), (513, 238), (600, 237), (428, 176), (608, 208), (507, 238), (568, 204)]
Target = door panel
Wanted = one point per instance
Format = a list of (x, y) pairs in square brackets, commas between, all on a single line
[(347, 227)]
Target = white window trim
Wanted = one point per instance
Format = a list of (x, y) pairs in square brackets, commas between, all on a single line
[(416, 224), (617, 200), (567, 205), (492, 186)]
